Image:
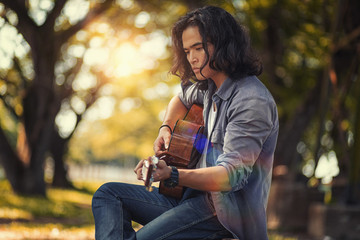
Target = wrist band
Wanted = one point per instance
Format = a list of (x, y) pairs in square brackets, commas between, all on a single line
[(173, 180), (165, 125)]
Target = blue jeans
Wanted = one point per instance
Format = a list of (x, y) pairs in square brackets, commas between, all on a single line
[(116, 205)]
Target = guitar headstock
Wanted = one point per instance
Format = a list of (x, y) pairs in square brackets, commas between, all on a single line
[(147, 171)]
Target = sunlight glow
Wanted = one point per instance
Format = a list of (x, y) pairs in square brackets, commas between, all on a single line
[(3, 88), (106, 89), (73, 12), (39, 8), (327, 167), (81, 35), (142, 19), (96, 56), (8, 35), (44, 5), (128, 104), (128, 59), (103, 28), (76, 50), (176, 89), (118, 57), (65, 120), (12, 17), (159, 90), (125, 4), (76, 10), (84, 81), (308, 168), (239, 3), (96, 42), (78, 104), (101, 109), (155, 46)]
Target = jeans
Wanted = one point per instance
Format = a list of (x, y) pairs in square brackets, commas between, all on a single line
[(116, 205)]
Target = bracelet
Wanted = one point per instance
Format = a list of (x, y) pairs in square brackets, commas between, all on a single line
[(166, 126), (173, 180)]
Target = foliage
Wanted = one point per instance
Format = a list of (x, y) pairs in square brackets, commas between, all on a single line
[(59, 204), (310, 69), (64, 213), (140, 98)]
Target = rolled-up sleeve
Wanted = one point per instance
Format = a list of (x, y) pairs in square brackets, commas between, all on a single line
[(191, 95), (250, 122)]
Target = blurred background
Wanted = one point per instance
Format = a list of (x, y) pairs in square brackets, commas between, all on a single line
[(84, 85)]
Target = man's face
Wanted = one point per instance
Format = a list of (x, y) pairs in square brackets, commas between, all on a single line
[(195, 53)]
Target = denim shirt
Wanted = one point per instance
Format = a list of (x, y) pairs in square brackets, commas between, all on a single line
[(243, 141)]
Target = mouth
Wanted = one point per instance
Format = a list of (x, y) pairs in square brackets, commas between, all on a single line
[(196, 70)]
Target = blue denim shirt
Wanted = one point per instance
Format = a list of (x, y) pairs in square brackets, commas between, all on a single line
[(243, 141)]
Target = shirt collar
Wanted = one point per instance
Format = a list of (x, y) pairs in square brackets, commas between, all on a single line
[(225, 90)]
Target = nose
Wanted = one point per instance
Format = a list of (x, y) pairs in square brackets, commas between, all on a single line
[(192, 57)]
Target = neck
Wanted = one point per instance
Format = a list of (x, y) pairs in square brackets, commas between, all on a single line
[(219, 79)]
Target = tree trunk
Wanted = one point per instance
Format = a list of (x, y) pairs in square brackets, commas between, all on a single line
[(13, 166), (291, 134), (58, 149), (23, 179), (346, 53), (353, 193)]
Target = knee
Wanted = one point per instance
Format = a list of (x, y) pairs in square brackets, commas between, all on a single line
[(103, 193)]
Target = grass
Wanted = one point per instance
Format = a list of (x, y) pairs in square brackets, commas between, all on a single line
[(63, 214)]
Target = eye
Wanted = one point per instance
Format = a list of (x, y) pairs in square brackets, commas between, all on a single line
[(187, 52), (199, 48)]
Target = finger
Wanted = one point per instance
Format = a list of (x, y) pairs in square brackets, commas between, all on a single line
[(161, 164), (158, 144), (139, 174), (167, 141), (159, 153), (156, 175), (139, 166)]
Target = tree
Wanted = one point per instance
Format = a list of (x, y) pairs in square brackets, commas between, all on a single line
[(34, 100), (311, 67), (344, 74)]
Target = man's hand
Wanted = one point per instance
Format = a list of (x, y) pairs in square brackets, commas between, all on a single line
[(138, 170), (175, 110), (162, 142), (162, 172)]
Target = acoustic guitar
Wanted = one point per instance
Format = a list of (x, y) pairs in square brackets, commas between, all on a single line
[(185, 148), (147, 170)]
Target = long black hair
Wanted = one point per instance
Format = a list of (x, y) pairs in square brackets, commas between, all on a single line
[(232, 55)]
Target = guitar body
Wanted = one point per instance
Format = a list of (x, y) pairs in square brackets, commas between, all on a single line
[(185, 146)]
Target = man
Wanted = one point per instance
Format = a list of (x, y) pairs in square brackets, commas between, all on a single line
[(226, 194)]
